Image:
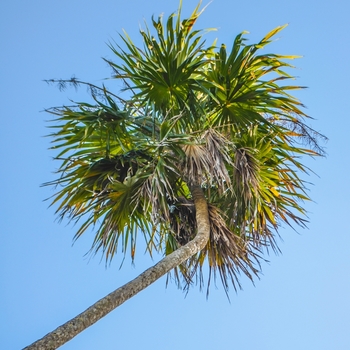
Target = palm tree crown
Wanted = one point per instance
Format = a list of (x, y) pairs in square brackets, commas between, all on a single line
[(194, 116)]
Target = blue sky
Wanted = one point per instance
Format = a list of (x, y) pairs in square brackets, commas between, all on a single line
[(302, 299)]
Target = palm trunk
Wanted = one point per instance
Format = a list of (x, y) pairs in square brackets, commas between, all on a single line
[(70, 329)]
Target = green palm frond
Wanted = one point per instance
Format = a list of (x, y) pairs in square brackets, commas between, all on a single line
[(166, 69), (241, 93)]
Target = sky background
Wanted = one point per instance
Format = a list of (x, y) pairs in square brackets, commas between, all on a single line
[(302, 299)]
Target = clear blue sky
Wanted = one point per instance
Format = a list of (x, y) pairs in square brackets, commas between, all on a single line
[(302, 299)]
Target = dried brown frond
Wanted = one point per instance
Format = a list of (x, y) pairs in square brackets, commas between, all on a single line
[(218, 148), (207, 158), (306, 134), (155, 194), (197, 164), (227, 252), (246, 173)]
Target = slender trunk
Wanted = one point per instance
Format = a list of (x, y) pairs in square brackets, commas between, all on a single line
[(70, 329)]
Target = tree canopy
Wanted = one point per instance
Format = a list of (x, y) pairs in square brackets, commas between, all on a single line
[(190, 114)]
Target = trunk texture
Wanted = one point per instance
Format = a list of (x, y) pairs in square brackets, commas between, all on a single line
[(70, 329)]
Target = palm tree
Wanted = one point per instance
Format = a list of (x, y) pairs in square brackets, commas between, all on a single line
[(203, 157)]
